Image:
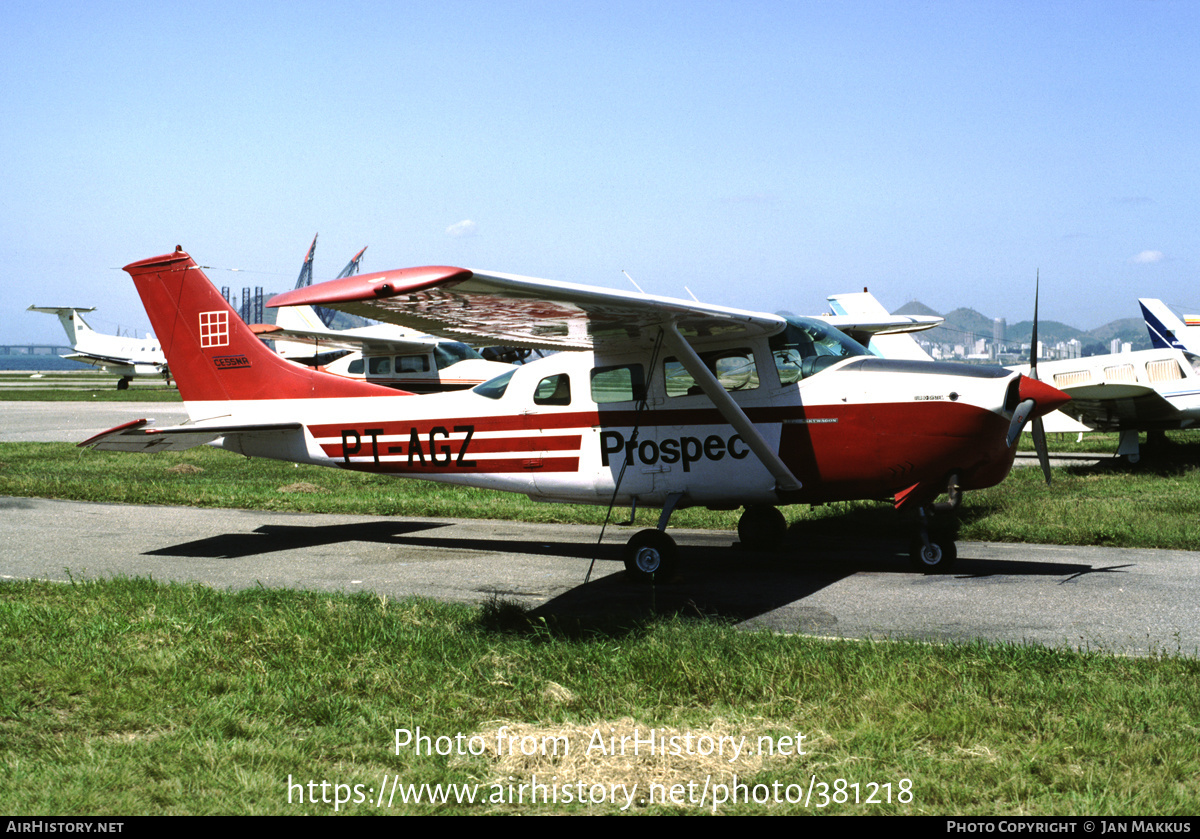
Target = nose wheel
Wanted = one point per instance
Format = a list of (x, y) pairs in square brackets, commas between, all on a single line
[(932, 553), (935, 557)]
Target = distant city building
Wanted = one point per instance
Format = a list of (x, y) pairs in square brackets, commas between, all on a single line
[(999, 330)]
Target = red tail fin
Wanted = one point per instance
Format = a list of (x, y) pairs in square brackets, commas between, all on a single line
[(212, 353)]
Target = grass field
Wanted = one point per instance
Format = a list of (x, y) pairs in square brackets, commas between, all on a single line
[(133, 697)]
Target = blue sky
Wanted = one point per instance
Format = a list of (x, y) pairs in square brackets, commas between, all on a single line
[(763, 154)]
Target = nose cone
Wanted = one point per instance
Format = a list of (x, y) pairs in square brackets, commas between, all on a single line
[(1046, 397)]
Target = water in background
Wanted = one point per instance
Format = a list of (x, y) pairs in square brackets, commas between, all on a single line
[(39, 361)]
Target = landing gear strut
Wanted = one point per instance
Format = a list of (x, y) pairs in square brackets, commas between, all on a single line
[(932, 553)]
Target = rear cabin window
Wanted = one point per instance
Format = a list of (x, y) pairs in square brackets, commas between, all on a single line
[(412, 364), (734, 369), (618, 384), (553, 390)]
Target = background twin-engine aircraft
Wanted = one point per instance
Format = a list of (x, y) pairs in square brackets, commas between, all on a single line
[(1150, 390), (126, 357), (652, 402)]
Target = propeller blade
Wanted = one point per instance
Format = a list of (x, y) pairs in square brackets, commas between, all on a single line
[(1033, 353), (1018, 421), (1039, 443)]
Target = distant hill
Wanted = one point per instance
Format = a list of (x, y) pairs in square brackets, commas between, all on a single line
[(967, 325), (916, 307)]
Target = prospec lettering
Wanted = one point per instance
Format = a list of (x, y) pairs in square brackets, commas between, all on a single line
[(433, 448), (685, 450)]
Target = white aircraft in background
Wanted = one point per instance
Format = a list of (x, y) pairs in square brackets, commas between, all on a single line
[(864, 319), (1151, 390), (653, 402), (126, 357)]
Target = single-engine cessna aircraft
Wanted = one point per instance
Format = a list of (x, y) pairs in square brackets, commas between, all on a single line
[(663, 403), (126, 357)]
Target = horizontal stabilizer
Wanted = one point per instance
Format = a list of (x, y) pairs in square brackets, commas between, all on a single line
[(134, 436)]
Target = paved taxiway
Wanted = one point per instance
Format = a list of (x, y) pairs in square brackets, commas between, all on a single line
[(1125, 601), (74, 422)]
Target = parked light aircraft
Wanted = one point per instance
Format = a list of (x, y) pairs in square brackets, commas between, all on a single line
[(126, 357), (1149, 390), (662, 403)]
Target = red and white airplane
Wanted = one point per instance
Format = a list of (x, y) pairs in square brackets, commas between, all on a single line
[(663, 403)]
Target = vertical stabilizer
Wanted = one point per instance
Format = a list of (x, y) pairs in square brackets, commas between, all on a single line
[(213, 355), (1166, 330)]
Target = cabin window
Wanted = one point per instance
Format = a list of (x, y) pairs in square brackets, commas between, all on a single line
[(380, 365), (734, 369), (494, 388), (1120, 373), (1164, 370), (618, 384), (553, 390), (412, 364), (356, 367)]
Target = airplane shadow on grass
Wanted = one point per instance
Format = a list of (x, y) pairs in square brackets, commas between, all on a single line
[(718, 581)]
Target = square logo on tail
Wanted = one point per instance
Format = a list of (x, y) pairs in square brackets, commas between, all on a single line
[(214, 329)]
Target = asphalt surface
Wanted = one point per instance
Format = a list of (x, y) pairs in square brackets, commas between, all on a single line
[(1123, 601)]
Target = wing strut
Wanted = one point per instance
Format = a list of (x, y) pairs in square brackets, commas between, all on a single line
[(729, 409)]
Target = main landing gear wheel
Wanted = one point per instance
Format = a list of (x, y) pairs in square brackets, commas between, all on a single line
[(650, 556), (123, 383), (934, 558), (761, 527)]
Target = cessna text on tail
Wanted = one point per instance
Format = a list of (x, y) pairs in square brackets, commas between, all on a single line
[(661, 402)]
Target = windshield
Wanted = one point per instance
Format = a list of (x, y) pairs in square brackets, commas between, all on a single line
[(446, 353), (807, 346)]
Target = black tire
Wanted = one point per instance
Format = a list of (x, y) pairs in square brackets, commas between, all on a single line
[(651, 556), (123, 384), (761, 527), (935, 559)]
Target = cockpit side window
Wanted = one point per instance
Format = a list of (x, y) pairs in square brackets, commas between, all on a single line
[(734, 369)]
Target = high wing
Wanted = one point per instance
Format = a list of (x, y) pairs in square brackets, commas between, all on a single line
[(488, 308)]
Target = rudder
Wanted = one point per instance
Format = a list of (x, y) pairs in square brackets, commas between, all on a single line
[(213, 355)]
